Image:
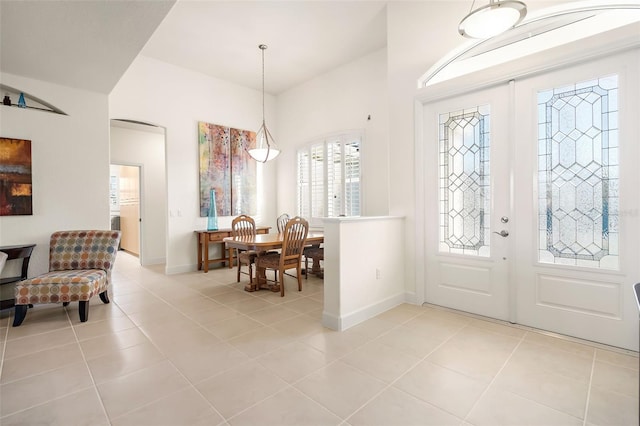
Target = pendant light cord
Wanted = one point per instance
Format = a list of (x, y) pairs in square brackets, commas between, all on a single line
[(263, 47)]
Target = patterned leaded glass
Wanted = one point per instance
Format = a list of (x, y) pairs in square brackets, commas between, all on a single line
[(578, 174), (464, 181)]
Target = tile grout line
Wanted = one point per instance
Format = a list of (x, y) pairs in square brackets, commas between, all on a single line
[(86, 364), (484, 392), (45, 372), (390, 384), (588, 399), (4, 346), (191, 384)]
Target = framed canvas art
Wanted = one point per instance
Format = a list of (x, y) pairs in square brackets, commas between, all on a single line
[(15, 177), (227, 168)]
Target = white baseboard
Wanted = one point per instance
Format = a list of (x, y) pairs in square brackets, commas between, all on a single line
[(346, 321), (411, 298), (157, 261), (181, 269)]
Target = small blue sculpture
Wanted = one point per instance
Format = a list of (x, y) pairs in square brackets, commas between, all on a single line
[(21, 102)]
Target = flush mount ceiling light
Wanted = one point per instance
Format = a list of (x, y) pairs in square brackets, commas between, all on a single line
[(266, 148), (492, 19)]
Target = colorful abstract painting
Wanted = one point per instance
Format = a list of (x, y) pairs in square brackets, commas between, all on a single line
[(243, 173), (15, 177), (226, 167)]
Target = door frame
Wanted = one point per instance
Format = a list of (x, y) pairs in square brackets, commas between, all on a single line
[(154, 230), (141, 198), (602, 45)]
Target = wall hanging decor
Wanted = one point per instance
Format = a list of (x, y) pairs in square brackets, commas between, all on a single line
[(15, 177), (226, 168)]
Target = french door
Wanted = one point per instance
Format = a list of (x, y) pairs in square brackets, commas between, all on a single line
[(533, 188)]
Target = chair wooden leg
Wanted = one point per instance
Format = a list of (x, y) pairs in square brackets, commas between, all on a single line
[(281, 283), (84, 310), (306, 268), (104, 296), (299, 268), (250, 273), (20, 313)]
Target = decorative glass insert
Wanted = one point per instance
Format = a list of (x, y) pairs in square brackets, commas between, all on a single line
[(464, 181), (578, 174)]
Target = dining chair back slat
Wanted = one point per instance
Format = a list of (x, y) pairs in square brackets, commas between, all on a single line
[(244, 226), (281, 222)]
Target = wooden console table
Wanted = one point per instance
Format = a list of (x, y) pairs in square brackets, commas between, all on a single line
[(216, 237), (16, 252)]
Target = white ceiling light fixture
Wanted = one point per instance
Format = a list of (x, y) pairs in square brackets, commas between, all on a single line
[(492, 19), (266, 148)]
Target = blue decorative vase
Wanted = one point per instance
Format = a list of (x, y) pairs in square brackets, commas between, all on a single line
[(212, 222), (21, 101)]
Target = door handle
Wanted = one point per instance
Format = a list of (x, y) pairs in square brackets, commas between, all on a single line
[(504, 233)]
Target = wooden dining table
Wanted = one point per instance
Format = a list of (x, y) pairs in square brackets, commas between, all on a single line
[(261, 243)]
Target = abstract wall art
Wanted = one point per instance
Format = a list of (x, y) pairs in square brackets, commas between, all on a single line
[(227, 168), (15, 177)]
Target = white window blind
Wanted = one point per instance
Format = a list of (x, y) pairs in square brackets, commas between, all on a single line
[(329, 176), (318, 195), (304, 179)]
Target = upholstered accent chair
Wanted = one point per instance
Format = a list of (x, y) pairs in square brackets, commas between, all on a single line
[(244, 226), (80, 264), (295, 236)]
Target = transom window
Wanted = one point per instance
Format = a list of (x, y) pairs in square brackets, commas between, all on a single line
[(328, 177)]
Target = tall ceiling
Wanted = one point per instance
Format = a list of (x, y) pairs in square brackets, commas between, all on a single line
[(83, 44), (90, 44)]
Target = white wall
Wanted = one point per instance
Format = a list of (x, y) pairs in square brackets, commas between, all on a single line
[(339, 100), (136, 145), (364, 269), (174, 98), (70, 165), (413, 48)]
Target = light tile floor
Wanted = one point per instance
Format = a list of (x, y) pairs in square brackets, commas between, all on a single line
[(195, 349)]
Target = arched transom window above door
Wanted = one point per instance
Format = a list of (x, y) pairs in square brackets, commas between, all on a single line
[(547, 29)]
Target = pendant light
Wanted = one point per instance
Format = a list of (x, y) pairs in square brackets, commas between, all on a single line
[(266, 148), (492, 19)]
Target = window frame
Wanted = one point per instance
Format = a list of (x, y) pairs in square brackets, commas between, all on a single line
[(305, 204)]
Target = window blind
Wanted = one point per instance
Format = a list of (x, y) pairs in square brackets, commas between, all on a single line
[(329, 178)]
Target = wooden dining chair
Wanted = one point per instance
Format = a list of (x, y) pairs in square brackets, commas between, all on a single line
[(244, 226), (315, 255), (281, 222), (294, 238)]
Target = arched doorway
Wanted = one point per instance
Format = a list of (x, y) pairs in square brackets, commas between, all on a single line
[(140, 148)]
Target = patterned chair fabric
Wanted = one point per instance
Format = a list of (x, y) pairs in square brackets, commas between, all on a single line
[(315, 254), (80, 264)]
